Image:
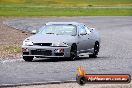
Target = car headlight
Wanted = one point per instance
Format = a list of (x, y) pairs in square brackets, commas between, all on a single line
[(27, 43), (59, 44)]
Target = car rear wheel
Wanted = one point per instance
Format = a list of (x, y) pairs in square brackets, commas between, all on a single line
[(96, 50), (73, 53), (28, 58)]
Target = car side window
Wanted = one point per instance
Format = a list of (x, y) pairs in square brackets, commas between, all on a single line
[(82, 30), (87, 30)]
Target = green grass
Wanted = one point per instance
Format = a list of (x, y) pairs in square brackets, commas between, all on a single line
[(69, 8), (12, 49), (45, 11), (71, 2)]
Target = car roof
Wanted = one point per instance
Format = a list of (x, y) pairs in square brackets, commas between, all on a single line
[(67, 23)]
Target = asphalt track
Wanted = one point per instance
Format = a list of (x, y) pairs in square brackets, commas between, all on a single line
[(115, 56)]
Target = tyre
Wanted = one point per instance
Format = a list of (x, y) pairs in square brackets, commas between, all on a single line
[(73, 52), (81, 80), (96, 50), (28, 58)]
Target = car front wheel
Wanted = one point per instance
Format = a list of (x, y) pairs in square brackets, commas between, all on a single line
[(73, 52), (28, 58), (96, 50)]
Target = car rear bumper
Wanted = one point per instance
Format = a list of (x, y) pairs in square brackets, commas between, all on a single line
[(46, 51)]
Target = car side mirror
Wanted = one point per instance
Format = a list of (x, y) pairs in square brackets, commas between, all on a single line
[(33, 31), (91, 29)]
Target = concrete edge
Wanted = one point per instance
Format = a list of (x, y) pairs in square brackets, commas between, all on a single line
[(37, 83)]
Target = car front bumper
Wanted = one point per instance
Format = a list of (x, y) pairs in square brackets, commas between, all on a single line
[(46, 51)]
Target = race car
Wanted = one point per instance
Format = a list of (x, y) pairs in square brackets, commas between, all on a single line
[(61, 40)]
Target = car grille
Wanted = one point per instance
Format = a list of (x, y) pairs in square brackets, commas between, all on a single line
[(41, 52), (43, 44), (25, 53)]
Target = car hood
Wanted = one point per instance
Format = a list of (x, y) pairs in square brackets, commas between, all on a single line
[(51, 38)]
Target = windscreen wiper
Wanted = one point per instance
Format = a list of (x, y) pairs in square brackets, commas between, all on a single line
[(49, 33)]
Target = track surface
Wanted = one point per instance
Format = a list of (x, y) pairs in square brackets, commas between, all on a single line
[(115, 54)]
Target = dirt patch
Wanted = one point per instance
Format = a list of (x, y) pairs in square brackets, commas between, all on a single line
[(10, 40)]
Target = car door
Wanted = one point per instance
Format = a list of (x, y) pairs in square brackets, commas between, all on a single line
[(82, 39), (90, 40)]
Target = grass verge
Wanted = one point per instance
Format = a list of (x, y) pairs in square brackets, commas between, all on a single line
[(9, 51), (51, 11)]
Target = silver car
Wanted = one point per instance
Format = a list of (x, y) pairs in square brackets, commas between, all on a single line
[(62, 39)]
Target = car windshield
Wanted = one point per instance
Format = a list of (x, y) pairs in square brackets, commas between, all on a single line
[(59, 30)]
